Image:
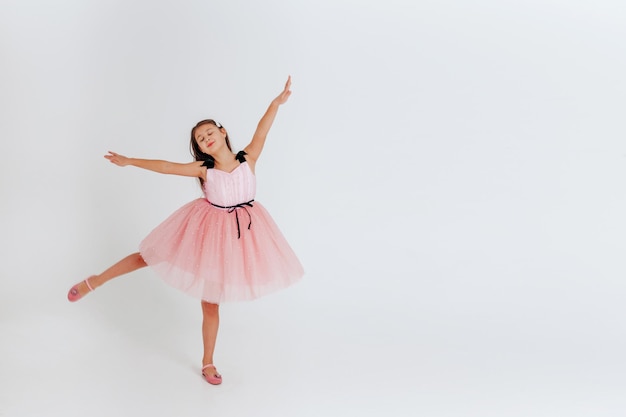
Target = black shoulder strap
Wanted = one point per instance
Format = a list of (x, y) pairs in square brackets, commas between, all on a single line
[(209, 162), (241, 156)]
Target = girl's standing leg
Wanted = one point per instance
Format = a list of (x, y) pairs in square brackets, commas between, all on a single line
[(124, 266), (210, 324)]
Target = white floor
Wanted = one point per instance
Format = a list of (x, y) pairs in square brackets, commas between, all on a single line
[(133, 348), (278, 357)]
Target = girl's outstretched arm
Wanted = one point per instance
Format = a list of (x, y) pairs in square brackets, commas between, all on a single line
[(191, 169), (258, 140)]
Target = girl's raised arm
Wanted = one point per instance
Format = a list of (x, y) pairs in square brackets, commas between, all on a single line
[(258, 140), (191, 169)]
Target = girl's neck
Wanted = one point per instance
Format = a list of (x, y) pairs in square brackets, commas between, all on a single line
[(224, 157)]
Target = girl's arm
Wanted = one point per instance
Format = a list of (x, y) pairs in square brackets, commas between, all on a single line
[(258, 140), (192, 169)]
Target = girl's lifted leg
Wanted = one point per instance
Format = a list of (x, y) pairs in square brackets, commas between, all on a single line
[(124, 266)]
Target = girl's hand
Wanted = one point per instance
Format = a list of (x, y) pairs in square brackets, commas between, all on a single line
[(282, 98), (117, 159)]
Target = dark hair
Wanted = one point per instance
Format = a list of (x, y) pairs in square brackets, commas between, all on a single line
[(195, 149)]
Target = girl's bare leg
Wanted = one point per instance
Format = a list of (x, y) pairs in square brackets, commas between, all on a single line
[(210, 324), (124, 266)]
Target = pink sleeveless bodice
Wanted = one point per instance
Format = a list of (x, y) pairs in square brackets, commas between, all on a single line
[(230, 188)]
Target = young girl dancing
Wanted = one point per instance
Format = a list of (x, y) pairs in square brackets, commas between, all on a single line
[(224, 247)]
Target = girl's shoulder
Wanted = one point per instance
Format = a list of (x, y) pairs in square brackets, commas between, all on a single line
[(243, 157)]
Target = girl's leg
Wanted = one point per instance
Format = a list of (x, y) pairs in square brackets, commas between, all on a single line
[(124, 266), (129, 264), (210, 324)]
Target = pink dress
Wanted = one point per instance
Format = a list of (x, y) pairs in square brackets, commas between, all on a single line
[(224, 247)]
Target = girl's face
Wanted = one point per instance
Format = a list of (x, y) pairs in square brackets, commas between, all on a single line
[(210, 138)]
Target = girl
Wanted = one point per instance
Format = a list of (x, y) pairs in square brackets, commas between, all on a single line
[(224, 247)]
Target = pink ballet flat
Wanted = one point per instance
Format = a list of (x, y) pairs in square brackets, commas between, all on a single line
[(212, 378), (73, 295)]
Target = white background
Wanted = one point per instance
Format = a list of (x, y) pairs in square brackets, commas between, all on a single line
[(450, 173)]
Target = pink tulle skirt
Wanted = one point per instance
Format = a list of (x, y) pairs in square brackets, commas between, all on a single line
[(199, 250)]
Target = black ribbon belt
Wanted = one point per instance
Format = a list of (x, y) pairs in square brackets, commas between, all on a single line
[(234, 208)]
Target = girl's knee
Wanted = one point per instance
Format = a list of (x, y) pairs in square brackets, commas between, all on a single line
[(139, 259)]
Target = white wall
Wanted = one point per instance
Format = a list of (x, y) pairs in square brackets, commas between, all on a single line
[(442, 162)]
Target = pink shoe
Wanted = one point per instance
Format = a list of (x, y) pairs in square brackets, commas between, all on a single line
[(74, 295), (212, 378)]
